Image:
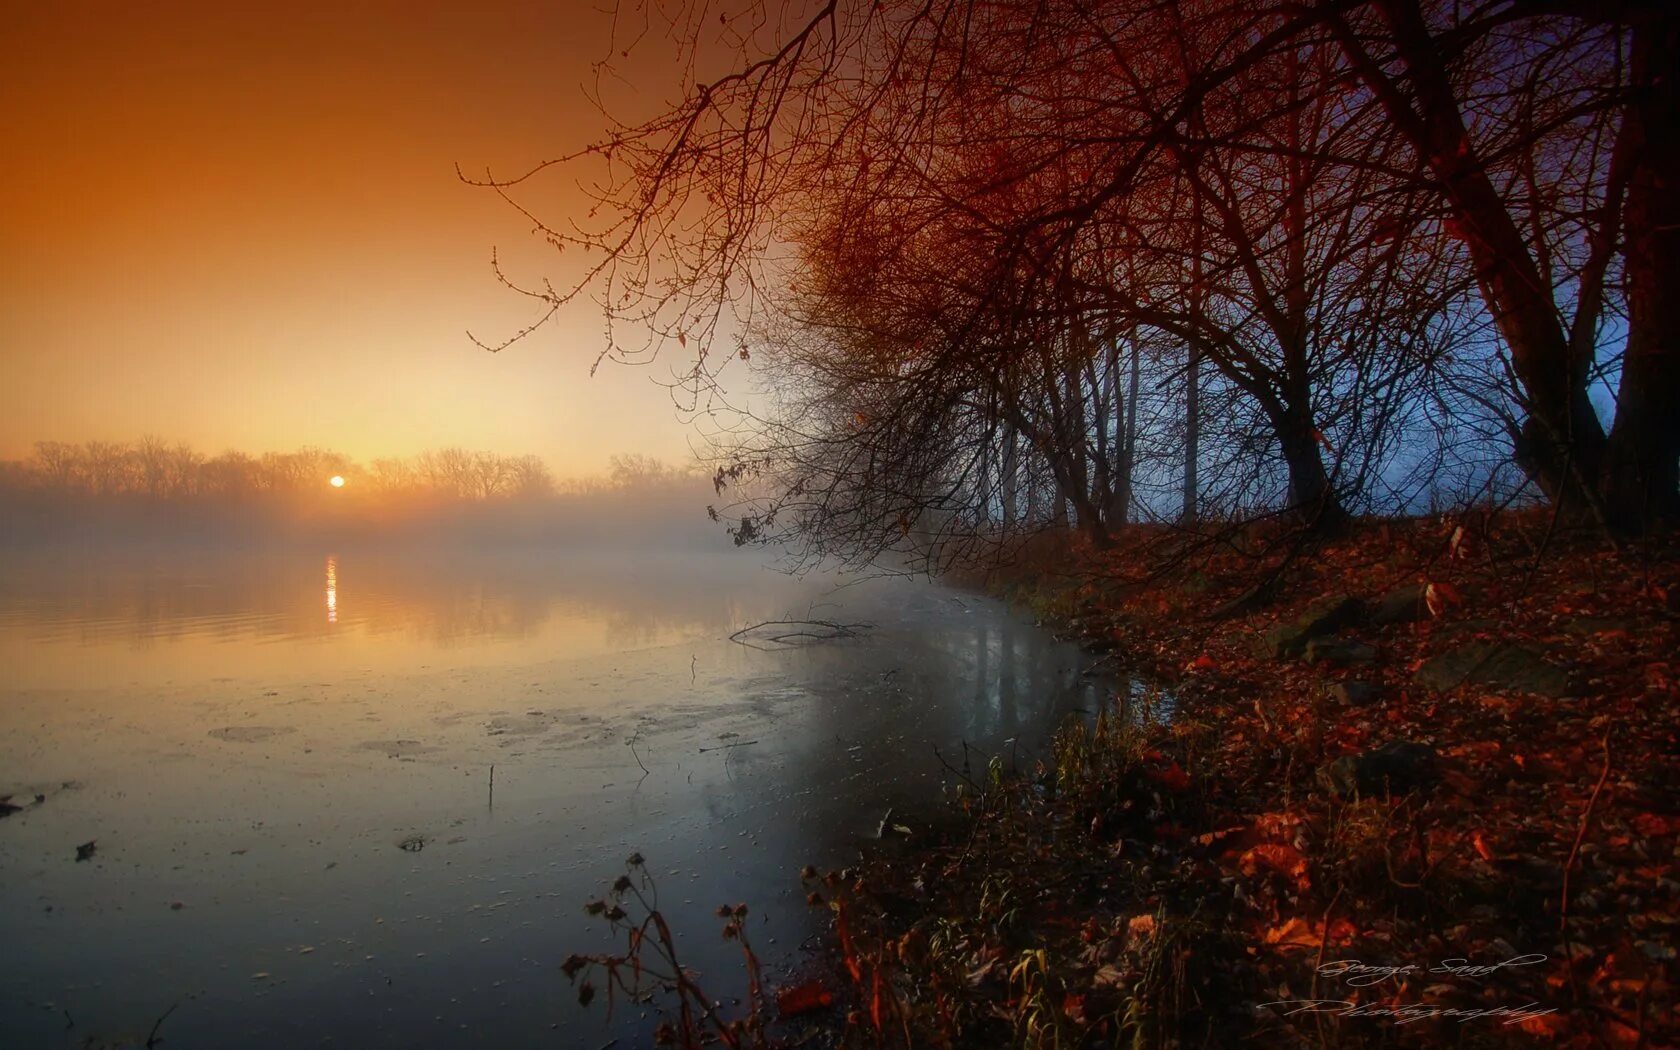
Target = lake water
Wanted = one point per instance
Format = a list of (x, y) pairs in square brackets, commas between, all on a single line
[(250, 739)]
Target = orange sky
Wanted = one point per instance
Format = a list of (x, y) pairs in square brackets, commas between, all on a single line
[(237, 224)]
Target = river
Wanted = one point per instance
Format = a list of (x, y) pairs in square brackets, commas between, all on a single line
[(284, 764)]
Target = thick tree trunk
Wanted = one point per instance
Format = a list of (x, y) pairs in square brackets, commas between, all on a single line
[(1311, 496), (1563, 441), (1640, 468)]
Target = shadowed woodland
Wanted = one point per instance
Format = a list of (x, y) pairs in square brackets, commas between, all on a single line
[(1007, 265)]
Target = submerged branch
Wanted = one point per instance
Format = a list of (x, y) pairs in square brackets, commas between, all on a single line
[(809, 630)]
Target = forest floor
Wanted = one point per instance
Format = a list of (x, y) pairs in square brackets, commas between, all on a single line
[(1422, 789)]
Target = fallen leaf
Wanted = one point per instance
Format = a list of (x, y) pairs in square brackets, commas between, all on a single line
[(1439, 597), (1285, 860), (803, 999), (1480, 843)]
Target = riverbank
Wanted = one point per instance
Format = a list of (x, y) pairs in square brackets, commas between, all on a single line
[(1417, 787)]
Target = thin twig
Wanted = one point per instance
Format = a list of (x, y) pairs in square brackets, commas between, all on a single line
[(152, 1040), (1574, 852), (1323, 939), (725, 747)]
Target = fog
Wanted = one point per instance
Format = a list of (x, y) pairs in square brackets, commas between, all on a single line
[(156, 494), (282, 756)]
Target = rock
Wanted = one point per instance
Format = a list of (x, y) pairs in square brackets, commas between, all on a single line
[(1504, 666), (86, 850), (1340, 652), (1466, 628), (1324, 616), (1401, 605), (1395, 768), (1353, 694), (1588, 626), (8, 807)]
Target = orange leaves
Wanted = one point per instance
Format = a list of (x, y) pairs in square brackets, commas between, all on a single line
[(1204, 662), (1171, 776), (1209, 838), (1439, 597), (1479, 841), (1545, 1025), (1285, 860), (1277, 825), (1656, 825), (1073, 1006), (1624, 971), (1458, 544), (1299, 933), (1164, 771), (803, 999), (848, 950), (1266, 833)]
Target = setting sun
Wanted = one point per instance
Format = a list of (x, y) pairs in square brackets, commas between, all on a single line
[(336, 481)]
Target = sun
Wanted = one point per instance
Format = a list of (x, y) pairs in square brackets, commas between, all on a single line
[(336, 481)]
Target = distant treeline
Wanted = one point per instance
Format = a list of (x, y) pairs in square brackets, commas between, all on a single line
[(154, 489)]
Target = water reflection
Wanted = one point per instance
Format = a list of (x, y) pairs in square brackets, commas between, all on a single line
[(234, 749), (153, 616), (332, 589)]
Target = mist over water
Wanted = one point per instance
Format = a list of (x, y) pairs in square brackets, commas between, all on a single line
[(254, 735)]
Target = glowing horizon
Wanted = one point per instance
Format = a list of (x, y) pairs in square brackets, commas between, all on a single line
[(240, 227)]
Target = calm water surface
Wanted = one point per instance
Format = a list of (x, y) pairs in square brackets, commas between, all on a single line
[(249, 738)]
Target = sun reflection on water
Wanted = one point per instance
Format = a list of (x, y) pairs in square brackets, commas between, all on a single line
[(332, 589)]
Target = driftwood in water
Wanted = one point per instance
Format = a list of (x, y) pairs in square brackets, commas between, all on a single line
[(784, 634)]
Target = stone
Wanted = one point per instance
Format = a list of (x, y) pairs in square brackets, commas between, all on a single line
[(1394, 768), (1589, 626), (1353, 694), (1324, 616), (1502, 666), (1340, 652), (1401, 605)]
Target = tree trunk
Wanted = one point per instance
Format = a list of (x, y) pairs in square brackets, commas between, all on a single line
[(1193, 381), (1640, 469), (1011, 476), (1311, 496), (1120, 501), (1563, 441)]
